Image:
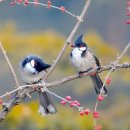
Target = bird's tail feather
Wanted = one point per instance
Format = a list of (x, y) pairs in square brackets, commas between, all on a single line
[(97, 82), (46, 105)]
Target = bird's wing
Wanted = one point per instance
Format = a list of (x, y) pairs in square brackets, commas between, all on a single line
[(95, 57), (97, 61)]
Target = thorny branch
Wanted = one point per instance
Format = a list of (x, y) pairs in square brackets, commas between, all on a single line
[(30, 88)]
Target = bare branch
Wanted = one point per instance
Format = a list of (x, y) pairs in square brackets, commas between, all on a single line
[(69, 40), (76, 76), (10, 66), (52, 6), (115, 63), (30, 88)]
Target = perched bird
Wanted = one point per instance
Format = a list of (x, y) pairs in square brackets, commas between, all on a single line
[(84, 60), (33, 69)]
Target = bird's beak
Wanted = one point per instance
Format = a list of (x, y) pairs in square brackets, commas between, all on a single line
[(73, 45)]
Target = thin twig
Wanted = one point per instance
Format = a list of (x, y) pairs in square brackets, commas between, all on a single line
[(30, 88), (114, 67), (69, 40), (52, 6), (10, 66), (69, 78)]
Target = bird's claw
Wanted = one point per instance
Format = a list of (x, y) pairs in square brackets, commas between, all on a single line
[(81, 74)]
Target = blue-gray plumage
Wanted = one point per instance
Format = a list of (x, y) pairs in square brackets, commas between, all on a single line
[(33, 70), (83, 59)]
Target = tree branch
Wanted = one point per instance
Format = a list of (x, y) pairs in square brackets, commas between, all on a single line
[(76, 76), (10, 66), (30, 88)]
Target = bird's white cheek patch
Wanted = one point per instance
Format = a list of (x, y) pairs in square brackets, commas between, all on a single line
[(82, 48), (29, 68)]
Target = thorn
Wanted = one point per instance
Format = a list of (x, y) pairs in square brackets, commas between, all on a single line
[(79, 19)]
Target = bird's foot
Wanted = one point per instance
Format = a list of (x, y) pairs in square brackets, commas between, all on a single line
[(81, 73)]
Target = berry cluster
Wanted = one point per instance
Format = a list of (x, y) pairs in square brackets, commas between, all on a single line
[(75, 103), (99, 99)]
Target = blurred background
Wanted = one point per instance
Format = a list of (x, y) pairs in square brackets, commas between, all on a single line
[(37, 30)]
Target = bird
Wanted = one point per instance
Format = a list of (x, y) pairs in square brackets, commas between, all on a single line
[(33, 70), (84, 60)]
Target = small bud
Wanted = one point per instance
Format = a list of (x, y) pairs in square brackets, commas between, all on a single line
[(49, 4), (62, 9)]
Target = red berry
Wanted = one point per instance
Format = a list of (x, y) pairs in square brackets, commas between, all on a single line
[(68, 98), (78, 104), (96, 114), (81, 113), (75, 102), (26, 2), (128, 13), (98, 127), (1, 101), (128, 22), (100, 98), (108, 81), (87, 111), (20, 1), (128, 3), (72, 104), (63, 102)]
